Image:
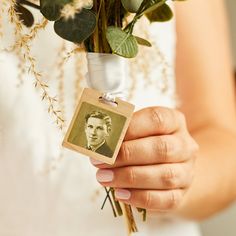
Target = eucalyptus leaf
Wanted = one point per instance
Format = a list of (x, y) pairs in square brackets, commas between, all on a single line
[(24, 15), (161, 14), (51, 9), (148, 6), (76, 29), (121, 42), (143, 42), (131, 5)]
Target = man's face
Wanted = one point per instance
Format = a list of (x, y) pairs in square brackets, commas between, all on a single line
[(96, 131)]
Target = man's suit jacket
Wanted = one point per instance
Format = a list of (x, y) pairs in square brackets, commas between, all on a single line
[(105, 150)]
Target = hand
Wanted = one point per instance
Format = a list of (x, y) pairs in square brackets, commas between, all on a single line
[(154, 167)]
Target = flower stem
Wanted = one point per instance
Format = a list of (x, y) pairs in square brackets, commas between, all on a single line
[(109, 198), (117, 204), (105, 46)]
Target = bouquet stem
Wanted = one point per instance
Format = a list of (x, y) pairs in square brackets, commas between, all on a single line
[(120, 209), (129, 218)]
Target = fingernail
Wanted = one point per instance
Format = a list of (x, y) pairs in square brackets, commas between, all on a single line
[(96, 162), (105, 175), (122, 194)]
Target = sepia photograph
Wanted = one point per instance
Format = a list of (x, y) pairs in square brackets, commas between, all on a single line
[(96, 129)]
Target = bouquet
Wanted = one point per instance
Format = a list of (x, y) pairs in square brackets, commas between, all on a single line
[(99, 26)]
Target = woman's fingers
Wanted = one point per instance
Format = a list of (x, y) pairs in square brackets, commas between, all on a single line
[(155, 163), (151, 199), (163, 176), (154, 121), (153, 150)]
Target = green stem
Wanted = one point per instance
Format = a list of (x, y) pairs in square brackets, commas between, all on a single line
[(117, 9), (117, 204), (144, 213), (109, 198), (96, 32), (129, 28), (105, 45)]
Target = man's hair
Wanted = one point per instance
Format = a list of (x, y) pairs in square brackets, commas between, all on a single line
[(102, 116)]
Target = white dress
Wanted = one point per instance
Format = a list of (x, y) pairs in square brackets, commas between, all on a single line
[(66, 201)]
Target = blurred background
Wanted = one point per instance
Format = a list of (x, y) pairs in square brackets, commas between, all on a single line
[(224, 224)]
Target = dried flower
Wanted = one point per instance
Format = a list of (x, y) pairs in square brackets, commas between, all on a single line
[(83, 3), (70, 9)]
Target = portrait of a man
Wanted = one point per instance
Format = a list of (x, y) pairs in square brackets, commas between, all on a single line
[(97, 129)]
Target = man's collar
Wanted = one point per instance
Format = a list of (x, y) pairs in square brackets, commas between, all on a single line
[(95, 148)]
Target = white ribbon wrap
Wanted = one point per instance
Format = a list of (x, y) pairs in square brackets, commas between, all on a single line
[(107, 73)]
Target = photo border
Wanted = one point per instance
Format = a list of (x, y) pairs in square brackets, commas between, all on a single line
[(123, 108)]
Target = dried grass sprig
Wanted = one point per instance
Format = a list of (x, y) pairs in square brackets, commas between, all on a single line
[(132, 74), (56, 113), (15, 20), (14, 15), (21, 67), (80, 71), (77, 49), (61, 78), (23, 44), (1, 27), (165, 68), (25, 39), (3, 5)]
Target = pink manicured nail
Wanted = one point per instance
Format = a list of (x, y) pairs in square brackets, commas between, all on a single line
[(96, 162), (122, 194), (105, 175)]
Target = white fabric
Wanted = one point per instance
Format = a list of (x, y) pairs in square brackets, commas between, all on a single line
[(65, 202)]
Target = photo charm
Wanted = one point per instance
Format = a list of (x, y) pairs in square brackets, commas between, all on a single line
[(98, 126)]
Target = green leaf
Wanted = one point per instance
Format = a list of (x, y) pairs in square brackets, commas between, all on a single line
[(131, 5), (161, 14), (24, 15), (148, 6), (143, 42), (122, 43), (51, 9), (76, 29)]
